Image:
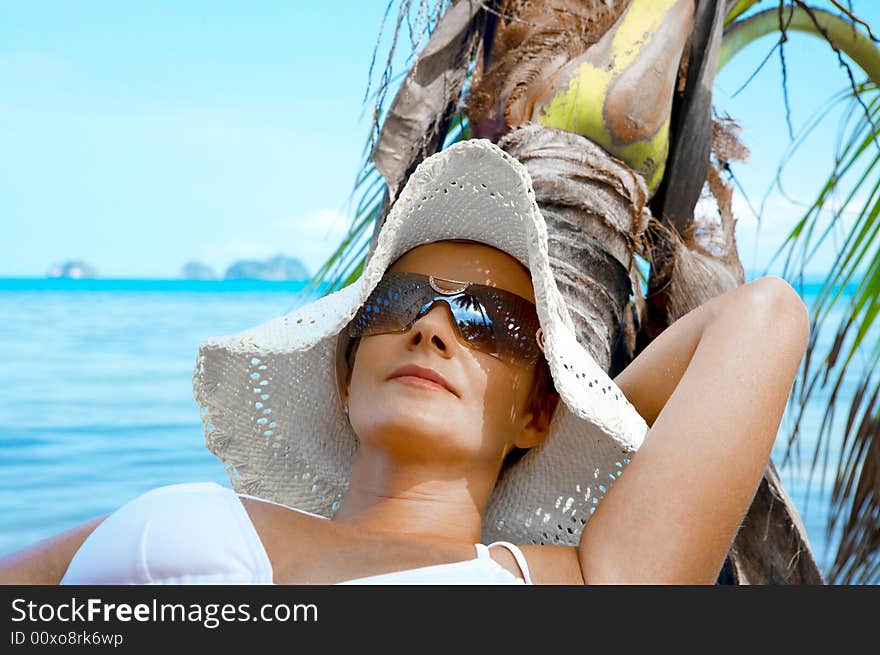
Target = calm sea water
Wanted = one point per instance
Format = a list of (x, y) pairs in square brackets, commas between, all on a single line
[(97, 407)]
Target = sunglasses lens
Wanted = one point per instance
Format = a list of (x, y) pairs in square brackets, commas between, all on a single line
[(492, 321), (474, 323), (390, 308), (514, 325)]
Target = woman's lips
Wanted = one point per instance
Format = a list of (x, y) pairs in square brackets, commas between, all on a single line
[(420, 382), (424, 376)]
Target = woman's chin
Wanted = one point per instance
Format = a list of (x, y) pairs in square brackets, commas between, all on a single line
[(411, 418)]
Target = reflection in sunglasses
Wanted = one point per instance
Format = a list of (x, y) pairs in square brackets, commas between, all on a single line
[(492, 320)]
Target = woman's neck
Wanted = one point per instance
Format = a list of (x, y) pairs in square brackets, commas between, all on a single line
[(430, 501)]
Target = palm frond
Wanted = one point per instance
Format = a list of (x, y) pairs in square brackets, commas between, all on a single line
[(736, 8), (839, 31), (344, 266), (370, 193), (855, 494)]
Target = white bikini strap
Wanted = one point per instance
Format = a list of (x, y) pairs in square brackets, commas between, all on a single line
[(295, 509), (482, 551), (518, 556)]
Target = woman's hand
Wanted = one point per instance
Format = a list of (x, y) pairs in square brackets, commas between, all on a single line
[(713, 386)]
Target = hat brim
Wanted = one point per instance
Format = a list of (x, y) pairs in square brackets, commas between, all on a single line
[(269, 398)]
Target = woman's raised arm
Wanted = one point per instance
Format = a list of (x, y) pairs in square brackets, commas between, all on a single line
[(713, 386), (649, 380), (45, 562)]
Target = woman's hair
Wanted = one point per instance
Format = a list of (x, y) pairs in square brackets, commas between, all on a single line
[(541, 399)]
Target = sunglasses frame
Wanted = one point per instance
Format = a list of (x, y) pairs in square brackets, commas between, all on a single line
[(462, 287)]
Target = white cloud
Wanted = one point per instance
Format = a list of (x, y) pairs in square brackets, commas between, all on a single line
[(312, 237), (316, 235), (322, 224), (758, 242)]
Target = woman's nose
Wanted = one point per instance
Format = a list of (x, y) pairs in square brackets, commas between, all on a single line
[(435, 328)]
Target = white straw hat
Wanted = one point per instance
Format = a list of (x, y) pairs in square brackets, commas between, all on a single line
[(269, 398)]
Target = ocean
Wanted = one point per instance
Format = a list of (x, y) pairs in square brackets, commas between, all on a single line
[(97, 407)]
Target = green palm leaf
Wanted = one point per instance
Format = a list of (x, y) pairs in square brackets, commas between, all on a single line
[(854, 509), (855, 495)]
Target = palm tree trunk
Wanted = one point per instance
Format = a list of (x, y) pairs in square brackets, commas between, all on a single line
[(594, 206), (771, 546), (598, 219)]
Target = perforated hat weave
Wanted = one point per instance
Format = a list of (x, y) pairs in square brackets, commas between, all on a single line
[(269, 399)]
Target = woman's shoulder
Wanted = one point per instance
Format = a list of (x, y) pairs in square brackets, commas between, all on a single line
[(554, 564), (294, 540), (191, 532), (183, 506)]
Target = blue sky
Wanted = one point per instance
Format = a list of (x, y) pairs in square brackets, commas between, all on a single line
[(140, 135)]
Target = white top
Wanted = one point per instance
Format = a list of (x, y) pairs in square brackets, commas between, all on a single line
[(200, 533)]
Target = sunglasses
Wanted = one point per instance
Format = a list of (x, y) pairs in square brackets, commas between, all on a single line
[(491, 320)]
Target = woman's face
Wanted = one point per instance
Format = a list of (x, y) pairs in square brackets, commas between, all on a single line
[(486, 414)]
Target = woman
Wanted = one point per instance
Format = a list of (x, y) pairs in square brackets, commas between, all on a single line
[(382, 433)]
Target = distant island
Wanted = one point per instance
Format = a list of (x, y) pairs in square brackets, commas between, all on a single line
[(195, 270), (278, 267), (74, 268)]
